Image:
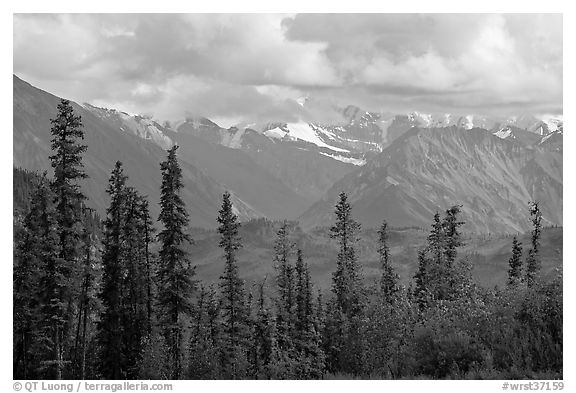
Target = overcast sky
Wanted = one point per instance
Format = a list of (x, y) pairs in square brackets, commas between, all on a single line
[(253, 67)]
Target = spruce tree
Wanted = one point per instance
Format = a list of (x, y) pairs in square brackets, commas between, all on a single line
[(303, 295), (88, 303), (124, 323), (68, 170), (306, 337), (148, 230), (533, 259), (515, 263), (36, 258), (285, 281), (175, 274), (437, 276), (134, 311), (346, 317), (203, 347), (421, 289), (233, 303), (112, 360), (436, 240), (453, 238), (389, 278), (346, 280), (263, 338)]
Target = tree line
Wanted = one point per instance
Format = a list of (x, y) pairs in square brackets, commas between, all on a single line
[(118, 298)]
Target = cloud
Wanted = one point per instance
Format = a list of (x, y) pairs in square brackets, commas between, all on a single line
[(255, 66)]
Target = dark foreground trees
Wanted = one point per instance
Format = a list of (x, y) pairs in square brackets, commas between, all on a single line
[(234, 310), (175, 273)]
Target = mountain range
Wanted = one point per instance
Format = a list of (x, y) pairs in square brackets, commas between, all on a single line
[(399, 167)]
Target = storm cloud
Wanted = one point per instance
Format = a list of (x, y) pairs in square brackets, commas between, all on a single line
[(254, 67)]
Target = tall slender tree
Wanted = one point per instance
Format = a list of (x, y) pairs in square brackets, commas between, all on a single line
[(148, 230), (345, 320), (285, 302), (88, 293), (533, 258), (262, 337), (112, 361), (234, 308), (347, 281), (175, 273), (389, 278), (306, 336), (68, 170), (134, 310)]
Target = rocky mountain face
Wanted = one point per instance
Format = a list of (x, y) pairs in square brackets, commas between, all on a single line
[(304, 167), (428, 170), (107, 143), (402, 167)]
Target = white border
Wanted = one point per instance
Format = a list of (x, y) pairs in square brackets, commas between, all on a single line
[(289, 6)]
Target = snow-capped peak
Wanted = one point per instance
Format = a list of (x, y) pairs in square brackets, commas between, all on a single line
[(503, 133)]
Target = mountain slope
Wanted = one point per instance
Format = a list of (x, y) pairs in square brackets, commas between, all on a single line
[(250, 181), (306, 169), (426, 170), (33, 109)]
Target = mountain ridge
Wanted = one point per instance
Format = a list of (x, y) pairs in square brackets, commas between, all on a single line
[(428, 170)]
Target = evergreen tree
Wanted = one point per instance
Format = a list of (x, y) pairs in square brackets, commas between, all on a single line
[(148, 230), (68, 170), (319, 318), (345, 320), (203, 349), (263, 338), (421, 291), (307, 338), (134, 295), (234, 308), (453, 238), (175, 274), (437, 276), (88, 294), (123, 324), (533, 259), (112, 361), (36, 258), (436, 240), (389, 278), (285, 304), (303, 296), (515, 263), (347, 284)]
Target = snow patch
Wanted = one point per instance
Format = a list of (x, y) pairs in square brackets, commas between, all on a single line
[(553, 122), (347, 160), (305, 132), (275, 133), (469, 122), (503, 133)]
